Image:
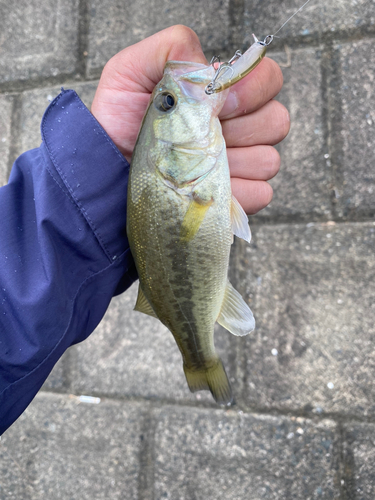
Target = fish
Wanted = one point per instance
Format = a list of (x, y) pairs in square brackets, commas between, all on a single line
[(182, 215)]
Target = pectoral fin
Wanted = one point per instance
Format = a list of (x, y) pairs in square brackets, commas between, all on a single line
[(240, 223), (143, 305), (193, 218), (235, 314)]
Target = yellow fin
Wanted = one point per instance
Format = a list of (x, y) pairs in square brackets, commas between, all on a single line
[(213, 379), (193, 219), (143, 305), (235, 314)]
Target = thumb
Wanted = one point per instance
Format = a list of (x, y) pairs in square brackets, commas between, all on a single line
[(139, 68)]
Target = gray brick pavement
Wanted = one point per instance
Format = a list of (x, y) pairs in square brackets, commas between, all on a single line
[(312, 349), (356, 182), (38, 39), (6, 103), (359, 455), (202, 454), (319, 18), (304, 196), (303, 424), (54, 450), (114, 26)]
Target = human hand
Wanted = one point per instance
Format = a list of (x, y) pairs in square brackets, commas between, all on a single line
[(252, 121)]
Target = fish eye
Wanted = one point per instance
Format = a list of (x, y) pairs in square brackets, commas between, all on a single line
[(165, 101)]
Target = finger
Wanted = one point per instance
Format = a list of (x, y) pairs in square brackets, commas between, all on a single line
[(252, 195), (268, 125), (252, 92), (254, 163), (140, 67)]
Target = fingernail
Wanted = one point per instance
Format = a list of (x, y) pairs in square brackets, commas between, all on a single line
[(230, 105)]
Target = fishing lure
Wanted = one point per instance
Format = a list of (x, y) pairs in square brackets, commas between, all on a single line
[(240, 65)]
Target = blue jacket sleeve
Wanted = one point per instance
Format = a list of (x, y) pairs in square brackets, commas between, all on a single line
[(63, 248)]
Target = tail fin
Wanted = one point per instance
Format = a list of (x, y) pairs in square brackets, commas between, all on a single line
[(213, 379)]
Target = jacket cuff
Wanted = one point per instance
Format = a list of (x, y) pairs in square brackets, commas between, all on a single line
[(87, 162)]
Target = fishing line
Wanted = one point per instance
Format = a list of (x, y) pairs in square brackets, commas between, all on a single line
[(291, 17)]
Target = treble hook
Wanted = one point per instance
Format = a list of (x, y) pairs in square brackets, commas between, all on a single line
[(238, 66), (221, 70)]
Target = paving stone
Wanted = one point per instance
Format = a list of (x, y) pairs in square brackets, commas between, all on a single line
[(34, 104), (204, 454), (355, 176), (318, 17), (57, 379), (116, 25), (62, 449), (312, 289), (301, 188), (359, 459), (38, 39), (6, 104), (132, 354)]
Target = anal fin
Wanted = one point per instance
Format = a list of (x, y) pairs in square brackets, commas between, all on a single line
[(143, 305), (235, 314)]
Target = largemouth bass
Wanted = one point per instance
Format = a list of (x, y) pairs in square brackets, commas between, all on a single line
[(182, 216)]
